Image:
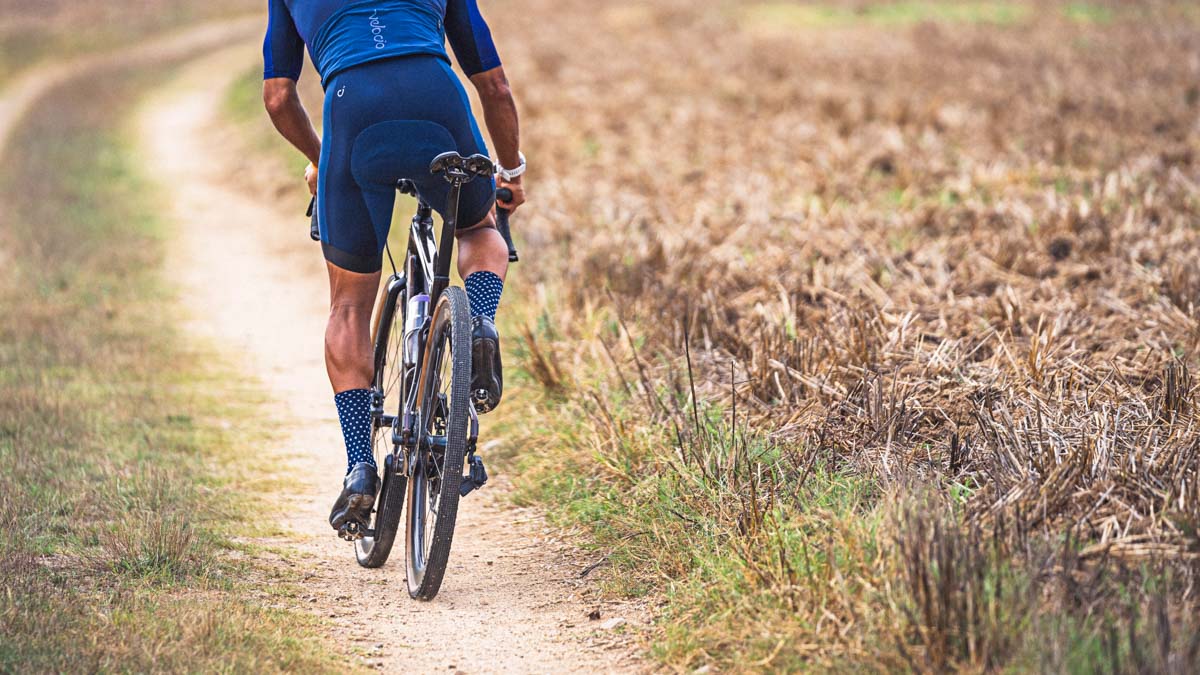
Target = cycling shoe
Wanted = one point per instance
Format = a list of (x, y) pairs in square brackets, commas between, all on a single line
[(487, 376), (357, 498)]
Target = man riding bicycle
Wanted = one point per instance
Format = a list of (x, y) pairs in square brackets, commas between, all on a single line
[(382, 61)]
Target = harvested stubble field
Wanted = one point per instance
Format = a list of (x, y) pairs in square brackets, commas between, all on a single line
[(867, 330)]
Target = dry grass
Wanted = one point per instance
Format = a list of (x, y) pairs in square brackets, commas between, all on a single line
[(932, 255), (121, 470), (862, 334)]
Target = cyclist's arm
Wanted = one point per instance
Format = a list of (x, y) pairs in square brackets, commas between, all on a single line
[(283, 58), (500, 115), (471, 40), (290, 118)]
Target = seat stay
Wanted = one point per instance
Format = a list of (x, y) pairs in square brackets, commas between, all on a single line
[(421, 247), (422, 243)]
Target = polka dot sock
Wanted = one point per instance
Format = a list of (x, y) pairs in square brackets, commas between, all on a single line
[(483, 291), (354, 411)]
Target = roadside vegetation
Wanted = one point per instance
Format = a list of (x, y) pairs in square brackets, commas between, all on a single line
[(31, 32), (123, 477), (868, 345), (861, 336)]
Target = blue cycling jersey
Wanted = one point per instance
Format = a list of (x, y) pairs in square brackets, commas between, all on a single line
[(345, 33)]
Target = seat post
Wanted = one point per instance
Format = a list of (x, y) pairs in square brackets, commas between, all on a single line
[(458, 171), (441, 272)]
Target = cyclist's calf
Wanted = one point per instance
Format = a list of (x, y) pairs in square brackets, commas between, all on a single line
[(348, 356), (480, 248)]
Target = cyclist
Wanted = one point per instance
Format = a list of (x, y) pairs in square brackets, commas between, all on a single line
[(381, 61)]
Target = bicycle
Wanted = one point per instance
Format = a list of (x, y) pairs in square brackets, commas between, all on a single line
[(422, 370)]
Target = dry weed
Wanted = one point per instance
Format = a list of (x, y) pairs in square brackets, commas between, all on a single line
[(952, 255)]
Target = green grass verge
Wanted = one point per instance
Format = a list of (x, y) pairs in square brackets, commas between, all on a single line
[(742, 584), (122, 467)]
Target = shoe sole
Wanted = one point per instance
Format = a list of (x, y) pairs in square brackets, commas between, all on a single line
[(358, 509), (483, 357)]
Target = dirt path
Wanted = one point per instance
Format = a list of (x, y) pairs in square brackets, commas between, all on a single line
[(255, 285)]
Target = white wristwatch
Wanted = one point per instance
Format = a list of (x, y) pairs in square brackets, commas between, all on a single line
[(509, 174)]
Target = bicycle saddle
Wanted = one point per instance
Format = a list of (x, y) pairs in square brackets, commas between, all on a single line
[(452, 164)]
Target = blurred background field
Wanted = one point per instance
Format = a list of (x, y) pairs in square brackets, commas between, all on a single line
[(856, 335), (47, 30)]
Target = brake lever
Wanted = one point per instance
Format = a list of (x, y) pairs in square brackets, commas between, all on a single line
[(314, 229), (502, 214)]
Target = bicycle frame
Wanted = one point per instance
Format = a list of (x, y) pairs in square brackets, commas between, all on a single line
[(417, 435), (427, 271)]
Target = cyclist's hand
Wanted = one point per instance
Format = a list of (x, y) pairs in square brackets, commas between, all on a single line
[(518, 191), (310, 177)]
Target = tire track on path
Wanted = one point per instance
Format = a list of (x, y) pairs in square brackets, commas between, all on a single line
[(255, 286)]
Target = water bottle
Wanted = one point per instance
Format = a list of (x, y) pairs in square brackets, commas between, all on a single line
[(414, 319)]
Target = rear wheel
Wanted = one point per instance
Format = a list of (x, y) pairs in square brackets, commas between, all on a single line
[(373, 551), (438, 462)]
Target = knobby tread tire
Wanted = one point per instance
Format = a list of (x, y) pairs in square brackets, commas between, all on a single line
[(374, 552), (453, 316)]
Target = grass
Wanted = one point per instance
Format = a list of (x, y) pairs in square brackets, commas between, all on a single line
[(887, 368), (33, 33), (122, 467), (884, 14), (802, 15), (890, 248), (781, 558), (1088, 12)]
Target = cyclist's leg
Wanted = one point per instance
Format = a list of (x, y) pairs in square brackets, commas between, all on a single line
[(482, 253), (348, 361), (483, 264), (348, 349), (350, 243)]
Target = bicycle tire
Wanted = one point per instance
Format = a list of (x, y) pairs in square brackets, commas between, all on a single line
[(373, 551), (428, 543)]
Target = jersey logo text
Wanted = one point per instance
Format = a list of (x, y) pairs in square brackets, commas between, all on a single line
[(377, 31)]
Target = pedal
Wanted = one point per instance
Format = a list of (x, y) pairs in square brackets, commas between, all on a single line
[(350, 531), (353, 531), (480, 400), (476, 476)]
